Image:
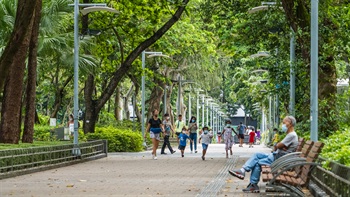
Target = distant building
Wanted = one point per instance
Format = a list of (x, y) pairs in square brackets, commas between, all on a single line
[(246, 119)]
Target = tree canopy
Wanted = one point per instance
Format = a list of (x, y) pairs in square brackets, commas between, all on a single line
[(209, 42)]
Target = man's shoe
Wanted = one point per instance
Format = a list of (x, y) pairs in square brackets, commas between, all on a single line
[(195, 151), (173, 152), (203, 158), (163, 153), (252, 188), (237, 173)]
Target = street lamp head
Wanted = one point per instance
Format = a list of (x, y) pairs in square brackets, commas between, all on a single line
[(261, 54), (261, 8), (259, 70), (158, 55), (98, 8)]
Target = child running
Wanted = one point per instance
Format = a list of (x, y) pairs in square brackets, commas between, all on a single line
[(207, 137), (228, 138), (183, 140)]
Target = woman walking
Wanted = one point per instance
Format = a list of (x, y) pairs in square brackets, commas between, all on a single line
[(192, 127), (154, 127)]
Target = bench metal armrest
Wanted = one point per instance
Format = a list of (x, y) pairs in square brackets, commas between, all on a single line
[(286, 163), (289, 155)]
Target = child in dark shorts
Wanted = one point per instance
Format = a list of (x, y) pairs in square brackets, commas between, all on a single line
[(183, 141)]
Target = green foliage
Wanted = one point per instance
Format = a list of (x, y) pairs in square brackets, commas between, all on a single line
[(44, 120), (108, 119), (43, 133), (119, 140), (337, 147)]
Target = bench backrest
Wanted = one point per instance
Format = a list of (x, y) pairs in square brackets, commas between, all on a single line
[(300, 144), (306, 148), (304, 153), (311, 157)]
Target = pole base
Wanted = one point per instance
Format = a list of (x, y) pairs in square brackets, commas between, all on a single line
[(76, 151)]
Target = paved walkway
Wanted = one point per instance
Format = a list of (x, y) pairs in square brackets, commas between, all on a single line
[(136, 174)]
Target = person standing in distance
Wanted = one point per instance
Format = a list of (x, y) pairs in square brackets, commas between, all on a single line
[(179, 124), (241, 129), (154, 127), (192, 127)]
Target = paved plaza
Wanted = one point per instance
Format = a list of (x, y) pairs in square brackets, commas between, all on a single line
[(136, 174)]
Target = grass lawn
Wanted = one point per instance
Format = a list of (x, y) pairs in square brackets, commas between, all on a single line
[(34, 144)]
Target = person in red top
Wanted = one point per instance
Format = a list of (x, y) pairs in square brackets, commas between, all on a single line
[(251, 138)]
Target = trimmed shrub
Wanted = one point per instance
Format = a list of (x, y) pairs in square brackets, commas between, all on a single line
[(119, 140), (43, 133)]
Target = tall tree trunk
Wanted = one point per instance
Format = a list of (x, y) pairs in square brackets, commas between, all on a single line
[(126, 103), (137, 90), (126, 65), (155, 98), (37, 121), (29, 119), (117, 107), (90, 114), (59, 96), (11, 106), (20, 33), (168, 103)]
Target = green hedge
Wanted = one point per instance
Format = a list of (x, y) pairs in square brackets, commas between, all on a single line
[(337, 147), (119, 140), (43, 133)]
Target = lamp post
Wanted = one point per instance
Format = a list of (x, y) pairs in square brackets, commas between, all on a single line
[(198, 90), (179, 98), (209, 99), (197, 107), (203, 108), (314, 70), (164, 101), (151, 54), (88, 8), (189, 105)]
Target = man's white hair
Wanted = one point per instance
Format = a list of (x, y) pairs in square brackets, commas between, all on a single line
[(292, 120)]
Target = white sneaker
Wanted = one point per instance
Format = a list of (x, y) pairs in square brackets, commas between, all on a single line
[(155, 158)]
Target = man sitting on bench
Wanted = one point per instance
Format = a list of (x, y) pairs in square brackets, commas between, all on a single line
[(287, 145)]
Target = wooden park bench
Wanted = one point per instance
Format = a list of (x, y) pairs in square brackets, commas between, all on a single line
[(292, 178), (302, 153)]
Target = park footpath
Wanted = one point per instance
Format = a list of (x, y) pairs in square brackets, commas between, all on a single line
[(136, 174)]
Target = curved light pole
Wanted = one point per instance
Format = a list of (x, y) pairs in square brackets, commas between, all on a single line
[(143, 110), (266, 6), (88, 8), (271, 120)]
